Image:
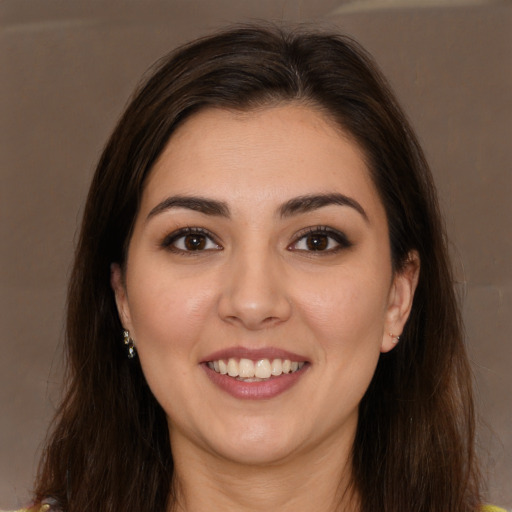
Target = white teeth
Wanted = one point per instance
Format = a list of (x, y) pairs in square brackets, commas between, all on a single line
[(223, 367), (262, 369), (232, 368), (276, 367), (252, 371), (245, 368)]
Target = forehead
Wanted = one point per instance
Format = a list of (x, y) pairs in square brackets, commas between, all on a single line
[(266, 154)]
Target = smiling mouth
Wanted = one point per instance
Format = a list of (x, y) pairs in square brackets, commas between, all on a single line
[(247, 370)]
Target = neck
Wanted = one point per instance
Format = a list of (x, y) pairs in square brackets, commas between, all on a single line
[(318, 480)]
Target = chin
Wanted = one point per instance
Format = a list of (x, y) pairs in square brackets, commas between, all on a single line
[(258, 444)]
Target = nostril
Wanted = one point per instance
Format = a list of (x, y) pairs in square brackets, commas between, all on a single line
[(271, 320), (253, 322)]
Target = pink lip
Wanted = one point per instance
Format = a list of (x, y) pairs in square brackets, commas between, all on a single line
[(254, 354), (262, 390)]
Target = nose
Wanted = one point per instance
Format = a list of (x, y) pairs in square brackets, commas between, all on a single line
[(254, 292)]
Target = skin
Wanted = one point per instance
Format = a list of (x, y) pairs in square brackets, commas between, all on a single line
[(256, 283)]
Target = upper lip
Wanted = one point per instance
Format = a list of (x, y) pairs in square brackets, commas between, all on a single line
[(254, 354)]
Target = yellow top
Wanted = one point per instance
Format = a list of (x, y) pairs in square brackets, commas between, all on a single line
[(34, 508)]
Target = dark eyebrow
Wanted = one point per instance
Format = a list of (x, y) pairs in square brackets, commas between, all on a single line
[(198, 204), (308, 203)]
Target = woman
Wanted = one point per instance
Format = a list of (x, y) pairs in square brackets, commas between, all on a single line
[(261, 312)]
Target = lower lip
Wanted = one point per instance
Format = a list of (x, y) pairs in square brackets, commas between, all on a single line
[(261, 390)]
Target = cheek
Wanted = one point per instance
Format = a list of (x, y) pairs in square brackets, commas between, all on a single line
[(169, 319), (346, 319), (349, 306), (168, 314)]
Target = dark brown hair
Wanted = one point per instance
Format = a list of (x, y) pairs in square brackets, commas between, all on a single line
[(109, 449)]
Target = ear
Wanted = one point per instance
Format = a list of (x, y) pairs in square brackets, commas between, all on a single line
[(117, 284), (401, 295)]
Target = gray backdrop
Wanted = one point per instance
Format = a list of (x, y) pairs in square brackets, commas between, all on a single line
[(66, 71)]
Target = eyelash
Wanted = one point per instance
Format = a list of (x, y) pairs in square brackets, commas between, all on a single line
[(170, 240), (339, 238), (334, 235)]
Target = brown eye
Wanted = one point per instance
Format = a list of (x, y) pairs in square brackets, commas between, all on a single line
[(317, 242), (189, 240), (321, 239), (194, 242)]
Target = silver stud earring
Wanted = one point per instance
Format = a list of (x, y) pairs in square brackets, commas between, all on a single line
[(130, 346), (394, 339)]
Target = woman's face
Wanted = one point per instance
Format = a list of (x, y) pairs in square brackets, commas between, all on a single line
[(261, 250)]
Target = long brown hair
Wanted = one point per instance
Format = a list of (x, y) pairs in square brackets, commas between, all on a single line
[(109, 448)]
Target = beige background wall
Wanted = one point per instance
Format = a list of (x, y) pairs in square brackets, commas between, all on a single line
[(68, 67)]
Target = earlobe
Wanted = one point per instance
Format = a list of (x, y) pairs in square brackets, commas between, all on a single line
[(400, 301), (118, 286)]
